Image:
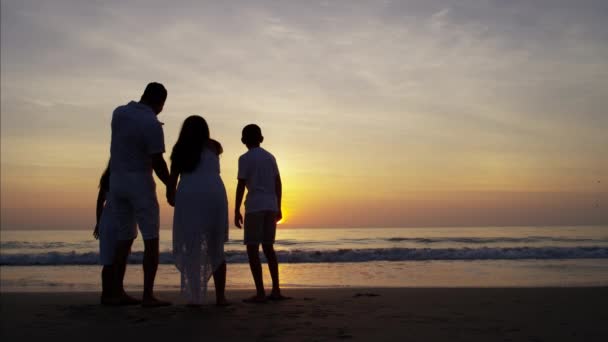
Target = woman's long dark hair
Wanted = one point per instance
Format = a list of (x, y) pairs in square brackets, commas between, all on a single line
[(193, 137)]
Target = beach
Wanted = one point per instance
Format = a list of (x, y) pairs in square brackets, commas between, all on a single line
[(394, 284), (359, 314)]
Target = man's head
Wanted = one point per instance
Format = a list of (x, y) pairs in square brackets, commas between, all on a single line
[(252, 135), (154, 96)]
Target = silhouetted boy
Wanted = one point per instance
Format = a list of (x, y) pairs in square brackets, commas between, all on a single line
[(258, 172)]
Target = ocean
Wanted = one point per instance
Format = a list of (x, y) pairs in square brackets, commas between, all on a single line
[(359, 257)]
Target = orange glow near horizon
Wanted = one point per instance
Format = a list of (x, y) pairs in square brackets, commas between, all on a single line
[(37, 197)]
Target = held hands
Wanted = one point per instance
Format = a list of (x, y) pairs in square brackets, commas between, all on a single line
[(171, 196), (238, 219)]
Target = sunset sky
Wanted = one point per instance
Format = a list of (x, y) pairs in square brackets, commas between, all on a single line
[(380, 113)]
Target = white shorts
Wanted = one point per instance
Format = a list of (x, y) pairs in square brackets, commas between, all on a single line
[(108, 227), (133, 197)]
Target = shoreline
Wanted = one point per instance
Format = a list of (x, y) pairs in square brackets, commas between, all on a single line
[(321, 314), (390, 274), (174, 292)]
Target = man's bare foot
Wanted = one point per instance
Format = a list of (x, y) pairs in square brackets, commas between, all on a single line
[(222, 302), (109, 300), (123, 299), (152, 302), (277, 296), (255, 299)]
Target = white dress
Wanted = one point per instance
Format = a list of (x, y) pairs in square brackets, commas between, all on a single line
[(200, 226)]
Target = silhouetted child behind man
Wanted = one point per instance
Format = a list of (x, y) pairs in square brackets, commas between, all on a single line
[(258, 172), (105, 232)]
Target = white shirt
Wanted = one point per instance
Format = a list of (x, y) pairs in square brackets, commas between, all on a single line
[(259, 169), (136, 135)]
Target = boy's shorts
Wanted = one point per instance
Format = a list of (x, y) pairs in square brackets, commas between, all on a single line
[(260, 227)]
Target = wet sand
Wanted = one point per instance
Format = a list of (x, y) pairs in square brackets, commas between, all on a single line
[(398, 314)]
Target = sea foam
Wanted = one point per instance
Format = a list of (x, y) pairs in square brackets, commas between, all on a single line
[(337, 255)]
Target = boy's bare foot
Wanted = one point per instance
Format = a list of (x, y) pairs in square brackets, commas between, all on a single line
[(255, 299), (152, 302)]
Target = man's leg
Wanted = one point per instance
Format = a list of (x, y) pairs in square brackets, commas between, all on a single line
[(107, 283), (124, 233), (256, 270), (219, 278), (150, 265), (273, 267), (123, 248)]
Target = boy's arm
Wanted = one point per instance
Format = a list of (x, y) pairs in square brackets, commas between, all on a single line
[(101, 199), (240, 191), (278, 186)]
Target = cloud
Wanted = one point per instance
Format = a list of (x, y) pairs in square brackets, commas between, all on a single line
[(491, 89)]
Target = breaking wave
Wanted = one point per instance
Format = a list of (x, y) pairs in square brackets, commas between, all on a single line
[(337, 255)]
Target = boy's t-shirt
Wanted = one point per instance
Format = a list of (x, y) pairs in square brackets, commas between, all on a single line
[(259, 169)]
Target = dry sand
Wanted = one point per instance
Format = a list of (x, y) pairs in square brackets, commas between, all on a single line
[(404, 314)]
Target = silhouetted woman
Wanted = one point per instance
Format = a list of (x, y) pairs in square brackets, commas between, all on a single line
[(200, 219)]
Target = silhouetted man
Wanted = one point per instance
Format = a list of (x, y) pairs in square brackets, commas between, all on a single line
[(137, 148)]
